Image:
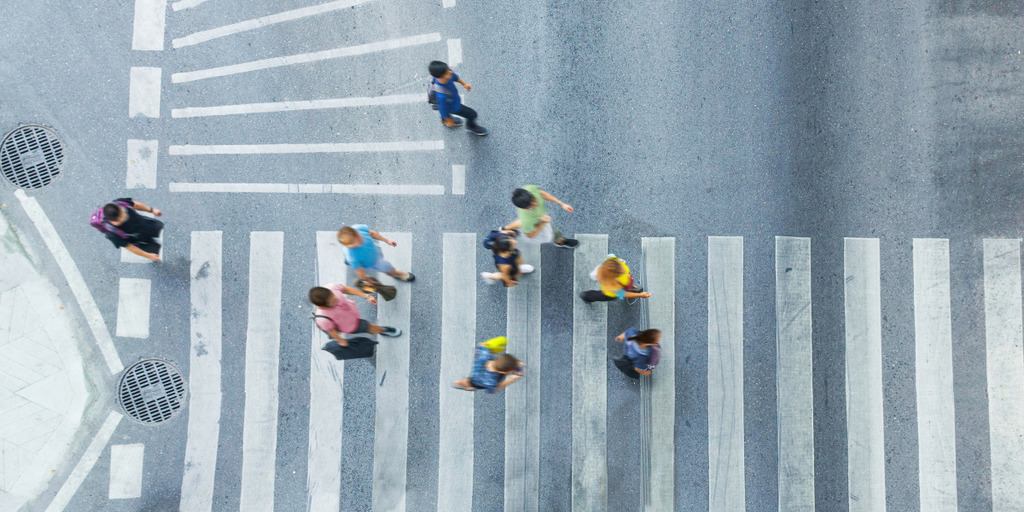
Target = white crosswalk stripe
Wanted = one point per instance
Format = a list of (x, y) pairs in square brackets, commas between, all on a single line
[(594, 480)]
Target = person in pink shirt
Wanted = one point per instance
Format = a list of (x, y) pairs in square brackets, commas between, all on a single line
[(337, 314)]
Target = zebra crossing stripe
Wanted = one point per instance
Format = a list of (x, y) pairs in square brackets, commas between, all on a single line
[(726, 487), (522, 400), (204, 373), (660, 279), (458, 333), (864, 419), (148, 26), (1005, 371), (391, 425), (262, 353), (326, 392), (795, 373), (589, 383), (936, 427)]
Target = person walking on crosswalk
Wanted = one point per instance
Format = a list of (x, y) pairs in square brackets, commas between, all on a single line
[(362, 254), (125, 228), (491, 371), (446, 96), (337, 314), (507, 260), (616, 282), (534, 221), (641, 352)]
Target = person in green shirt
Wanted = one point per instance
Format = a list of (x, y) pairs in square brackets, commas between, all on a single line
[(534, 221)]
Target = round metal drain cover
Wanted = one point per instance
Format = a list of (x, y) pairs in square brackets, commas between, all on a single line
[(151, 390), (31, 156)]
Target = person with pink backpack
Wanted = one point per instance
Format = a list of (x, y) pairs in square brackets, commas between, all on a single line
[(641, 352), (124, 227)]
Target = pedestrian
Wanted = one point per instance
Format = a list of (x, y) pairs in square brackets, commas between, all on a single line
[(124, 227), (448, 101), (362, 254), (641, 352), (491, 371), (534, 221), (508, 261), (337, 314), (616, 282)]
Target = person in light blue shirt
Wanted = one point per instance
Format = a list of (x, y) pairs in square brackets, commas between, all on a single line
[(362, 254), (449, 103)]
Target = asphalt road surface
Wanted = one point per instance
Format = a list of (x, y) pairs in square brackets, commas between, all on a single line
[(707, 128)]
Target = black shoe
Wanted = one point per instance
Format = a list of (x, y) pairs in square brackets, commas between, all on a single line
[(568, 243), (583, 295), (411, 278), (478, 130), (434, 106), (391, 332)]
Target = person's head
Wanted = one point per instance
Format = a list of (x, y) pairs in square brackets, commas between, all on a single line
[(113, 212), (322, 297), (523, 199), (648, 337), (439, 69), (349, 237), (505, 363), (503, 244), (610, 270)]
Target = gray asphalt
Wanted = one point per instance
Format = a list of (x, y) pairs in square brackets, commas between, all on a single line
[(655, 118)]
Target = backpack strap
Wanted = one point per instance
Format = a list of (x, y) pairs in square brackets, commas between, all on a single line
[(314, 316)]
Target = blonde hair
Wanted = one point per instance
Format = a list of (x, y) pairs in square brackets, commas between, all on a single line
[(347, 234), (609, 272)]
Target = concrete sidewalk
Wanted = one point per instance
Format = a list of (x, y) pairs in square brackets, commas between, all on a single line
[(43, 387)]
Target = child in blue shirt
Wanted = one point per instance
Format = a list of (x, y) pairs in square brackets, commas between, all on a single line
[(448, 101), (491, 371)]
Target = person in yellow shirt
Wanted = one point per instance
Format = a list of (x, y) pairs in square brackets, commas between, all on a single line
[(615, 280)]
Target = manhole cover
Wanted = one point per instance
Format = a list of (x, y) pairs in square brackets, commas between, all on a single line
[(151, 390), (31, 156)]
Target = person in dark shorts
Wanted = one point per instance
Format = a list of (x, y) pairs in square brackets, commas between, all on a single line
[(491, 371), (132, 231), (337, 314), (508, 261)]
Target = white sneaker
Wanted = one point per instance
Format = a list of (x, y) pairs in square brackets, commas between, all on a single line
[(487, 278), (526, 268)]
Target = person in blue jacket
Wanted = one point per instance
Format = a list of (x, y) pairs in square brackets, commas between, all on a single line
[(448, 101)]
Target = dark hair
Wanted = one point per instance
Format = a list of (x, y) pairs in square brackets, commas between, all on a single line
[(437, 68), (522, 198), (111, 211), (502, 243), (320, 296), (506, 363), (648, 337)]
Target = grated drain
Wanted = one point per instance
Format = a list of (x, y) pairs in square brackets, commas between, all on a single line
[(151, 390), (31, 156)]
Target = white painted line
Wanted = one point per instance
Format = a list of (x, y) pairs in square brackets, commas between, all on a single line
[(303, 58), (130, 257), (144, 92), (125, 471), (74, 278), (142, 158), (1005, 371), (293, 106), (148, 33), (458, 333), (454, 52), (660, 279), (725, 374), (589, 382), (262, 353), (133, 308), (864, 419), (85, 464), (795, 372), (447, 3), (391, 425), (204, 371), (459, 180), (522, 399), (276, 149), (265, 21), (326, 392), (936, 429), (308, 188), (186, 4)]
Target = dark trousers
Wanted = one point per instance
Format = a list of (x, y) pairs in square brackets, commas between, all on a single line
[(144, 238), (467, 113), (595, 296)]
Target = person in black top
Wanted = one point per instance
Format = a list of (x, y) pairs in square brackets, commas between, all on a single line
[(139, 232)]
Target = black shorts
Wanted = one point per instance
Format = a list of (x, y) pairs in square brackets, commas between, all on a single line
[(364, 327)]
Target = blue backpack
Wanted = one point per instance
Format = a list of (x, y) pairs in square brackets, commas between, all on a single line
[(493, 237)]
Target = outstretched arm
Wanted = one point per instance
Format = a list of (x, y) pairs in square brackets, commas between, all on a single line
[(548, 197)]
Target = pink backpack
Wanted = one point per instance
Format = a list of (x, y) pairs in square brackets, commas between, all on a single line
[(97, 221)]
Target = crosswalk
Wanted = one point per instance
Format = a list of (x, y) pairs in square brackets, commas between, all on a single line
[(592, 469)]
